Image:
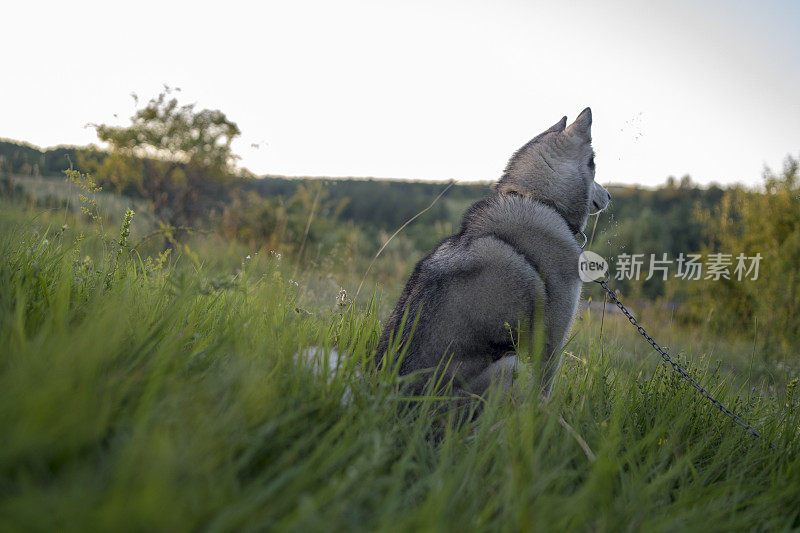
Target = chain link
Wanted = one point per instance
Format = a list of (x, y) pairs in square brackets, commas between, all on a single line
[(678, 368)]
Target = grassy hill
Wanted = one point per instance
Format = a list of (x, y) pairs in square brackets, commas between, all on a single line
[(142, 394), (160, 387)]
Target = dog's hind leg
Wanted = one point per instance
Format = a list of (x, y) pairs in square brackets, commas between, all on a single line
[(500, 373)]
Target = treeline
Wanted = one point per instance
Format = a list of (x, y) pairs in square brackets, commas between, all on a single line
[(766, 308), (639, 220), (385, 204), (277, 212), (653, 222), (27, 160), (274, 210)]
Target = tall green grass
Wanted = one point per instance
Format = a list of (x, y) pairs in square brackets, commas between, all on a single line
[(139, 397)]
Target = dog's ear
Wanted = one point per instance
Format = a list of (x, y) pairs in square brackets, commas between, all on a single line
[(522, 158), (582, 127), (558, 127)]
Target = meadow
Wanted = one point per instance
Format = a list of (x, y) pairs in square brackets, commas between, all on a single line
[(145, 389)]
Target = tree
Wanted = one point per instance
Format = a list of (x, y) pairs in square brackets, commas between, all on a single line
[(766, 224), (178, 158)]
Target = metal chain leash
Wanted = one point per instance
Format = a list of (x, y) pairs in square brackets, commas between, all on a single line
[(678, 368), (675, 366)]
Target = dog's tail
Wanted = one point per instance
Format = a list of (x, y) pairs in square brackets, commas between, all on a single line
[(323, 364)]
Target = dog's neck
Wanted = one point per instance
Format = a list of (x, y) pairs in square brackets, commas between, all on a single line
[(552, 205), (518, 219)]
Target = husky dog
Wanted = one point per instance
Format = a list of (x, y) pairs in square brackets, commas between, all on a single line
[(514, 262)]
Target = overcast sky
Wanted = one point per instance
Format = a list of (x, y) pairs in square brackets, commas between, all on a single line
[(423, 90)]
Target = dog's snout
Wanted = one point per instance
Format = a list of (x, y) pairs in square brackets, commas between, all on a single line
[(600, 198)]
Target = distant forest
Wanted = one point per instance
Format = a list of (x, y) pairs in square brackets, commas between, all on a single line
[(387, 203), (640, 220)]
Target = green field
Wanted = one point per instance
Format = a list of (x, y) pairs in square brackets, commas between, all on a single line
[(146, 394)]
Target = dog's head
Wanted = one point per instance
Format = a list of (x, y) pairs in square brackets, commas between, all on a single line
[(557, 168)]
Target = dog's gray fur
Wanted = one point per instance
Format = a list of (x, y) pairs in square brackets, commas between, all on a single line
[(514, 261)]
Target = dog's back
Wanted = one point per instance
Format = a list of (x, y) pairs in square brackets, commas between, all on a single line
[(512, 259)]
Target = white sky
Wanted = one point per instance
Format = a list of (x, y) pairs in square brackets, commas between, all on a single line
[(423, 90)]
